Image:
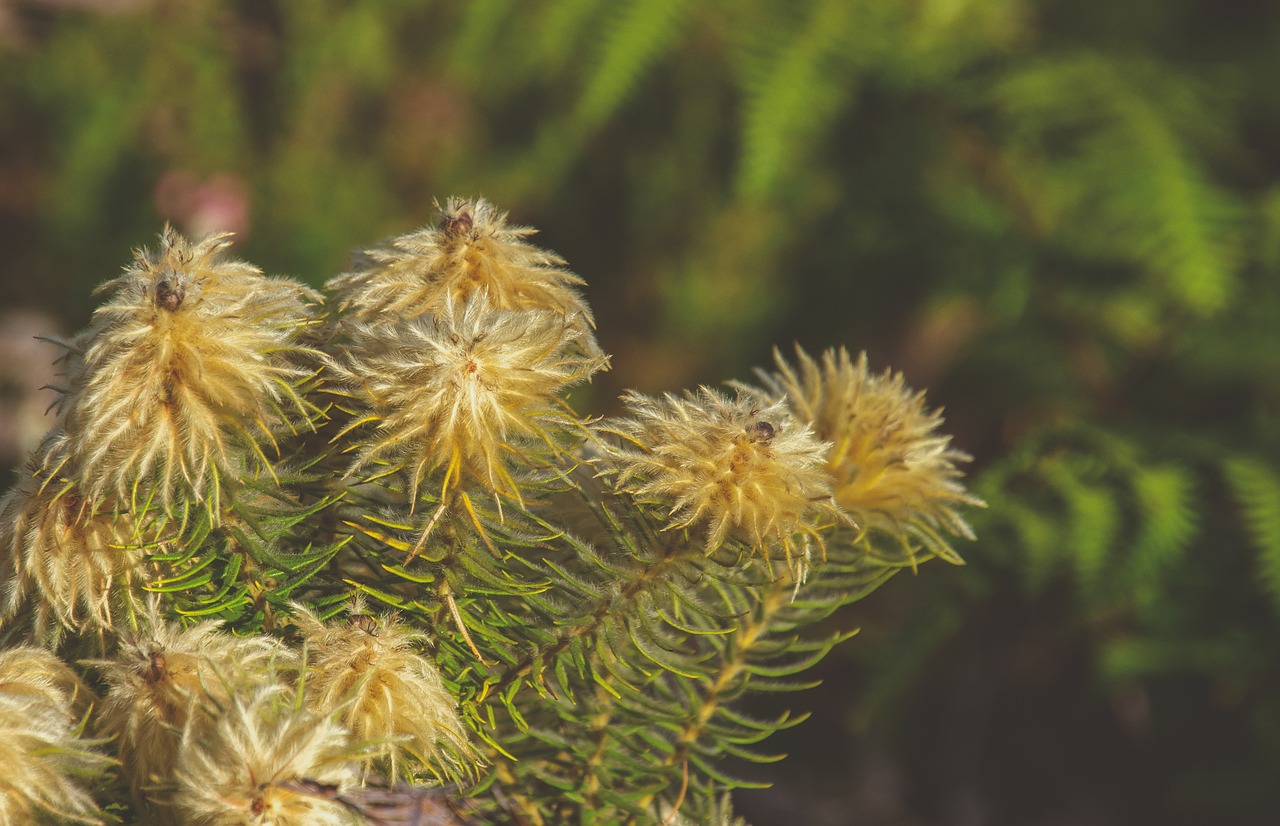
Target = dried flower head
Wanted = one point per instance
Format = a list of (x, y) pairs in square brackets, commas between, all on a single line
[(369, 672), (254, 766), (184, 374), (66, 567), (730, 465), (44, 759), (166, 680), (472, 250), (893, 471), (463, 390)]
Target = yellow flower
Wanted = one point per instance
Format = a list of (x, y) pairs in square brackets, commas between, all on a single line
[(258, 764), (463, 392), (472, 250), (894, 472), (167, 683), (732, 466), (64, 566), (183, 375), (369, 672), (43, 760)]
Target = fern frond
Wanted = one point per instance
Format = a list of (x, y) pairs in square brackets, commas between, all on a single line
[(636, 37), (793, 98), (478, 34), (561, 28), (1165, 498), (1256, 486), (1121, 179), (1092, 523)]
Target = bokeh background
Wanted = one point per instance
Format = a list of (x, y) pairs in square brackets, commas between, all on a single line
[(1060, 217)]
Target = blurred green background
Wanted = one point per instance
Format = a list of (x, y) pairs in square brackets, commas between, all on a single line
[(1060, 217)]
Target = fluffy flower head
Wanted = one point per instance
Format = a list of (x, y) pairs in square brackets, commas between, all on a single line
[(183, 374), (471, 250), (894, 472), (249, 768), (730, 465), (460, 390), (368, 670), (44, 759), (167, 680), (65, 566), (36, 672)]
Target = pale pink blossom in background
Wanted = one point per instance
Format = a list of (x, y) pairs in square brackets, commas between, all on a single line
[(198, 207)]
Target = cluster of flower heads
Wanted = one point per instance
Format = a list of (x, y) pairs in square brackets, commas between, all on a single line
[(820, 446), (167, 684), (891, 469), (457, 343), (213, 728), (449, 350)]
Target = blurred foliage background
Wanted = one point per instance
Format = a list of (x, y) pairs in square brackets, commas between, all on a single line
[(1062, 218)]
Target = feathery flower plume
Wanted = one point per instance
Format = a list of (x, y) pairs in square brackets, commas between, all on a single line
[(894, 473), (369, 672), (166, 680), (31, 671), (462, 391), (68, 568), (739, 465), (255, 766), (471, 250), (184, 374), (43, 757)]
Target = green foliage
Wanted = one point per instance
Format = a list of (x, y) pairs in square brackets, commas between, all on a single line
[(792, 96), (1121, 183), (631, 43), (1256, 486), (611, 671), (1085, 504)]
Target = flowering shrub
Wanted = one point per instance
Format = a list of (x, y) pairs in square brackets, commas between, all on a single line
[(354, 557)]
